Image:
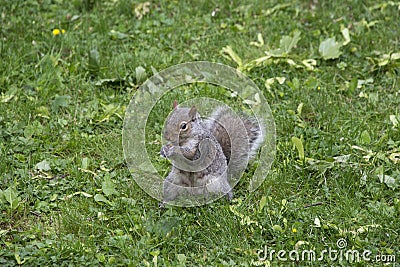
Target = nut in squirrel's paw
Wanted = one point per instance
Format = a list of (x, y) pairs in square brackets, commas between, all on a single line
[(166, 151)]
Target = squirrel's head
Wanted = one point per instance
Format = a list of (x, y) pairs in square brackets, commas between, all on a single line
[(180, 124)]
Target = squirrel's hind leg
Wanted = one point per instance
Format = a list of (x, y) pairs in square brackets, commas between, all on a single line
[(174, 185), (219, 185), (229, 195)]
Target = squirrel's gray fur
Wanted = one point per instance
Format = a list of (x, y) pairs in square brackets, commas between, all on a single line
[(192, 143)]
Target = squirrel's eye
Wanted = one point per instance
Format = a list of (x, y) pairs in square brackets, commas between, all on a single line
[(183, 125)]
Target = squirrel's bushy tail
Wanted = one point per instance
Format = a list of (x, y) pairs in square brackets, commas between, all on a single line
[(239, 136)]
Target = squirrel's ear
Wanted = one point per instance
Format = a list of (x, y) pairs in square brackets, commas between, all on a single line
[(175, 105), (193, 112)]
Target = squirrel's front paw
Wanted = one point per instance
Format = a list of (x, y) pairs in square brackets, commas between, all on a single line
[(162, 152), (167, 151)]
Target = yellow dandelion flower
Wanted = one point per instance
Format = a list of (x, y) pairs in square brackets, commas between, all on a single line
[(294, 230), (58, 31)]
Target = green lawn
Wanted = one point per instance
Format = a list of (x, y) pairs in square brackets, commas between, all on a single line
[(329, 70)]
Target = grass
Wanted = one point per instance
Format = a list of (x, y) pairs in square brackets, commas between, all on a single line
[(67, 197)]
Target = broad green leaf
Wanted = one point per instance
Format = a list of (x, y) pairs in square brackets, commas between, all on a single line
[(353, 85), (181, 258), (100, 256), (60, 101), (108, 187), (94, 61), (140, 74), (11, 196), (299, 145), (101, 198), (311, 83), (294, 84), (154, 70), (33, 129), (365, 138), (269, 82), (373, 98), (388, 180), (285, 45), (263, 201), (330, 49), (43, 166), (288, 42), (395, 56), (394, 120), (277, 228)]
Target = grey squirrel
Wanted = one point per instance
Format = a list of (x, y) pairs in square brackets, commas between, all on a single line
[(207, 154)]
